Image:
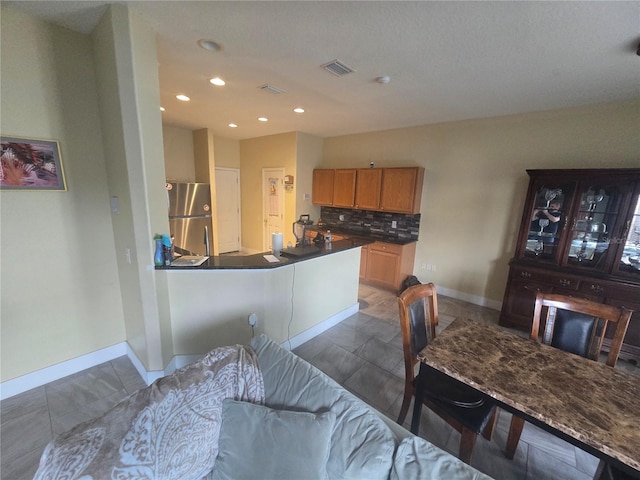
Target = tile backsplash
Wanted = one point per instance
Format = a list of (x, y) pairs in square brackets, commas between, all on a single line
[(370, 222)]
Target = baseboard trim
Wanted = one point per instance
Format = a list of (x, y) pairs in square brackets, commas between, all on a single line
[(475, 299), (321, 327), (60, 370)]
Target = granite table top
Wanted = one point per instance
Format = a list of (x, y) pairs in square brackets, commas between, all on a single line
[(587, 401)]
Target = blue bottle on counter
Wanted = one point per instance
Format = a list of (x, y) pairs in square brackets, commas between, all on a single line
[(158, 258)]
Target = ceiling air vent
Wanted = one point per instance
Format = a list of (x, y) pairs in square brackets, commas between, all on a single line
[(337, 68), (271, 89)]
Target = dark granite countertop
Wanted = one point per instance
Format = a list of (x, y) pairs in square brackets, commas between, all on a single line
[(257, 261), (370, 237)]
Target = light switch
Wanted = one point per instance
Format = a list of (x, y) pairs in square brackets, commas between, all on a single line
[(114, 205)]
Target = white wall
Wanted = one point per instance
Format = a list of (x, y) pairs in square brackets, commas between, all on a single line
[(60, 295)]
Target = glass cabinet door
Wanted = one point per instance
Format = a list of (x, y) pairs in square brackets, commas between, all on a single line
[(629, 260), (547, 221), (594, 222)]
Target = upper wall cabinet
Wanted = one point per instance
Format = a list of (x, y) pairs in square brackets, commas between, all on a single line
[(344, 188), (322, 188), (368, 185), (388, 189), (401, 189)]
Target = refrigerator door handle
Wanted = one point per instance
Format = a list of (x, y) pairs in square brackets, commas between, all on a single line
[(207, 247)]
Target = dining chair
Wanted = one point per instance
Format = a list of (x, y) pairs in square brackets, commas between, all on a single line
[(578, 326), (462, 407)]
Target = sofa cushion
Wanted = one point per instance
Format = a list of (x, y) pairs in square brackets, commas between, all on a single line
[(362, 445), (259, 442), (417, 458), (168, 430)]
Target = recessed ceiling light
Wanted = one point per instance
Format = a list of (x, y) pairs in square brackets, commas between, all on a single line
[(233, 125), (298, 110), (217, 81), (263, 119), (162, 109), (183, 98), (209, 45)]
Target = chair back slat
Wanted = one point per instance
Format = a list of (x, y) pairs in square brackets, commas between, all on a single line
[(418, 319)]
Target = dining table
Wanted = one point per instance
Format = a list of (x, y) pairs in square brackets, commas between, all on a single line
[(587, 403)]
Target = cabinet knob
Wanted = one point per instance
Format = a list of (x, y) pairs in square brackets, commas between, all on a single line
[(525, 274), (596, 288)]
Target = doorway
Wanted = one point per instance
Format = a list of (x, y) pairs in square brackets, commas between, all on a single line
[(272, 204), (228, 209)]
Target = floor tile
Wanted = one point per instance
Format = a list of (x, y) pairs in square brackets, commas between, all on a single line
[(337, 362), (381, 354), (378, 386), (66, 421), (543, 466), (128, 375), (18, 405), (27, 433)]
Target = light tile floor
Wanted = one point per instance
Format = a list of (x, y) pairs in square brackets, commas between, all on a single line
[(363, 353)]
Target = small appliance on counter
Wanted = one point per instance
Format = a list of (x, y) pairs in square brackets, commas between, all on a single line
[(300, 230)]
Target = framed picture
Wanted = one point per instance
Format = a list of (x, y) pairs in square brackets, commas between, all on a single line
[(30, 164)]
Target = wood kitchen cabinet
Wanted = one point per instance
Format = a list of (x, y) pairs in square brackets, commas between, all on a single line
[(397, 190), (335, 188), (401, 189), (322, 187), (344, 188), (592, 251), (386, 264), (368, 185)]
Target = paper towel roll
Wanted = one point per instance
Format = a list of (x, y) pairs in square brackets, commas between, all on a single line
[(276, 242)]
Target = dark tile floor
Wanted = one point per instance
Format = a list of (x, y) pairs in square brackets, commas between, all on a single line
[(363, 353)]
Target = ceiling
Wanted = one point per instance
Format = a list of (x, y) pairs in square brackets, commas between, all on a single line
[(447, 61)]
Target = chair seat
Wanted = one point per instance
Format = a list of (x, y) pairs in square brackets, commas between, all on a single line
[(458, 400)]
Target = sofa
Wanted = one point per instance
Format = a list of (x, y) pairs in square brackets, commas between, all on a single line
[(255, 412)]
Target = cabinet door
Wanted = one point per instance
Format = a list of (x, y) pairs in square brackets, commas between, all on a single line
[(627, 261), (368, 185), (547, 211), (344, 188), (322, 188), (401, 189), (598, 218), (520, 298), (382, 267)]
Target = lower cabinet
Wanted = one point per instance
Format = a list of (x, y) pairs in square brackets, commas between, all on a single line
[(386, 264), (524, 282)]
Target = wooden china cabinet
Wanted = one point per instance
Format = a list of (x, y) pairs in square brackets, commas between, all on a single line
[(579, 236)]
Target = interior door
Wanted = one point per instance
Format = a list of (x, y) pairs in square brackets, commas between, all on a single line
[(228, 209), (272, 204)]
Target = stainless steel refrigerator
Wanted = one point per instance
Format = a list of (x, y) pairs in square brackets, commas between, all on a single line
[(190, 219)]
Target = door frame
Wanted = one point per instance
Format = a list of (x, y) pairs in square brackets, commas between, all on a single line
[(239, 198)]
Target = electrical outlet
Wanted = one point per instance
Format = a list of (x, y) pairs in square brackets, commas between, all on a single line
[(253, 319), (394, 224), (433, 268), (127, 255), (423, 266)]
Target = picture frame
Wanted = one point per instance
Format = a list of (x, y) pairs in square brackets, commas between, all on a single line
[(30, 164)]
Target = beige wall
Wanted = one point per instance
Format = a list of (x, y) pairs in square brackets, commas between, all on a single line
[(309, 156), (60, 295), (179, 162), (226, 152), (273, 151), (475, 180), (128, 89)]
